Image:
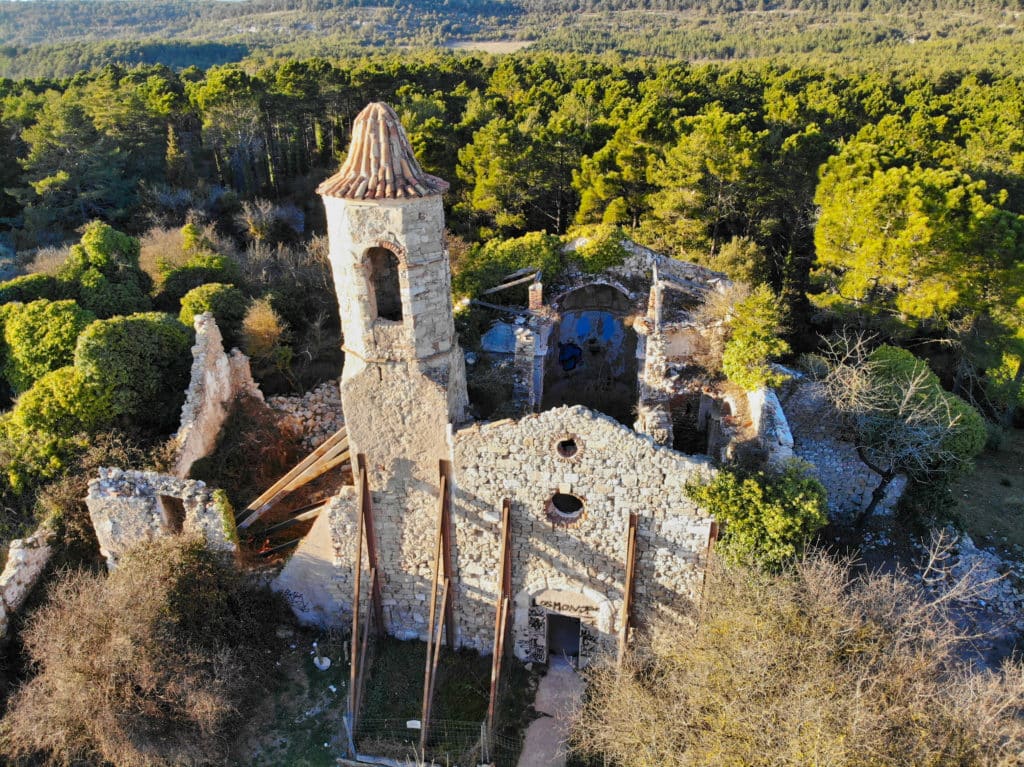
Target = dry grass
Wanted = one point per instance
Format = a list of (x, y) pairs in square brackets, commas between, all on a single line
[(160, 250), (47, 261), (806, 668), (152, 665)]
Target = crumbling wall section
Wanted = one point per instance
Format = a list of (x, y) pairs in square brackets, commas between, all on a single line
[(613, 471), (128, 507), (217, 379), (771, 425), (27, 559)]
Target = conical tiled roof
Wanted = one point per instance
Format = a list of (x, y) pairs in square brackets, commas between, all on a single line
[(380, 163)]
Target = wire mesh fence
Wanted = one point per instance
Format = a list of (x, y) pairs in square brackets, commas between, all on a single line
[(449, 743)]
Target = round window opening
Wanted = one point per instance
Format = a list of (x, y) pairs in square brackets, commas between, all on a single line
[(567, 448), (564, 507)]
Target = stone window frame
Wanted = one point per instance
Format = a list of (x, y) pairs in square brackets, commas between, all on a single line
[(366, 267), (560, 518), (557, 449)]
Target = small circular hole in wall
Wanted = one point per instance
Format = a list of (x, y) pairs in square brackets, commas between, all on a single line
[(564, 507), (567, 448)]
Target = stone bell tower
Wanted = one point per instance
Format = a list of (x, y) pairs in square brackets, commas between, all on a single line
[(404, 378)]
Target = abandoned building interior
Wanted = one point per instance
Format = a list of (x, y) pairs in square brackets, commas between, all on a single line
[(560, 527)]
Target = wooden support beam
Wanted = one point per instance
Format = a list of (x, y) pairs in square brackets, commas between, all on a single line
[(712, 539), (361, 678), (445, 485), (506, 285), (357, 578), (366, 514), (626, 618), (499, 308), (304, 516), (438, 556), (325, 457), (433, 670), (501, 608)]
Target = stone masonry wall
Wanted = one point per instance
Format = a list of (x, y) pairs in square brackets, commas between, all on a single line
[(127, 507), (217, 378), (27, 559), (815, 428), (580, 563)]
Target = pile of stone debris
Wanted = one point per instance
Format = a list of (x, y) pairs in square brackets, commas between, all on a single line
[(316, 414)]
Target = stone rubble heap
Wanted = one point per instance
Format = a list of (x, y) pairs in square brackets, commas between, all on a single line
[(316, 414), (998, 580)]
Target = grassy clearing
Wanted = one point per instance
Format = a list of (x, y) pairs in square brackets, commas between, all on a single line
[(301, 725), (990, 501)]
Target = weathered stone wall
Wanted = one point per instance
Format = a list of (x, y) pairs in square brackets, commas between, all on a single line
[(127, 507), (815, 426), (27, 559), (217, 379), (770, 424), (614, 471)]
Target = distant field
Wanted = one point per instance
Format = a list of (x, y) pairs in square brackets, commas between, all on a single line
[(488, 46)]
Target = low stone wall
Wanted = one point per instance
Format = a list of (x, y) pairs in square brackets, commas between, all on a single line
[(316, 414), (127, 507), (815, 424), (27, 559), (217, 379)]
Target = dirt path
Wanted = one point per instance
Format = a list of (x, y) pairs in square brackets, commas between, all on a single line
[(557, 697)]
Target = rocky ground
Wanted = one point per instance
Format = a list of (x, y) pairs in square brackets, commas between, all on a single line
[(317, 413)]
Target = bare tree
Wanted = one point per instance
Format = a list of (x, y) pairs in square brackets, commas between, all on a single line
[(899, 417)]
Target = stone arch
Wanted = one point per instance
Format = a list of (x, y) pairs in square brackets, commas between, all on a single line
[(384, 264), (529, 639)]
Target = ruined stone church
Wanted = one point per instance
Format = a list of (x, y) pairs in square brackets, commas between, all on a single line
[(571, 478)]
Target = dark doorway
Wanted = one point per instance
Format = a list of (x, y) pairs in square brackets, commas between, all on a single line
[(564, 637)]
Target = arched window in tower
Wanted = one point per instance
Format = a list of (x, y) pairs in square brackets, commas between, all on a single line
[(384, 282)]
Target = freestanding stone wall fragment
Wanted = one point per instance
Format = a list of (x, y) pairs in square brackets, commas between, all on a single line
[(128, 507), (27, 559), (217, 379)]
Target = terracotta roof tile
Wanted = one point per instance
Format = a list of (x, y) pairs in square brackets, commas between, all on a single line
[(380, 163)]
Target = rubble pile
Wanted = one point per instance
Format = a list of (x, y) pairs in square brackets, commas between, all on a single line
[(316, 414)]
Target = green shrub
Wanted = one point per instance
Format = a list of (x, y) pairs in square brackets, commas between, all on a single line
[(63, 403), (102, 272), (602, 250), (200, 269), (227, 304), (143, 360), (767, 518), (485, 265), (754, 341), (40, 337), (30, 287), (107, 298)]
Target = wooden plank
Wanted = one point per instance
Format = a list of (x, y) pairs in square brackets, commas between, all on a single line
[(445, 485), (320, 451), (366, 512), (712, 538), (305, 516), (626, 619), (300, 474), (506, 285), (336, 456), (279, 547), (498, 307), (425, 723), (438, 555), (357, 577), (361, 679), (499, 609)]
